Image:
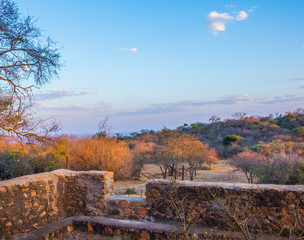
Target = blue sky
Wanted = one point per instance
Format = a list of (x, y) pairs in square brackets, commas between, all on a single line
[(149, 64)]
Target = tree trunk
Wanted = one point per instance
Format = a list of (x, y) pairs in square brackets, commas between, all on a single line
[(191, 176)]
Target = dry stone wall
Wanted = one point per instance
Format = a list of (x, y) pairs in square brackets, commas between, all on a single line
[(29, 202), (209, 204)]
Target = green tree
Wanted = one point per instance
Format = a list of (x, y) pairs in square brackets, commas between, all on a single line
[(230, 139)]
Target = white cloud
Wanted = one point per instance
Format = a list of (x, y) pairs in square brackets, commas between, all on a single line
[(134, 50), (242, 15), (131, 50), (217, 21)]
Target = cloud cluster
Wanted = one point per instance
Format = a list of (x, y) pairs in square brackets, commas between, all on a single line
[(51, 94), (291, 98), (297, 79), (102, 107), (216, 22), (162, 108)]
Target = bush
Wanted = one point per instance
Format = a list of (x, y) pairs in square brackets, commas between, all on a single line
[(21, 162), (281, 169), (104, 154), (131, 191)]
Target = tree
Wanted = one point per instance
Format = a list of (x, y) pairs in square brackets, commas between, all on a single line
[(230, 139), (249, 163), (25, 56)]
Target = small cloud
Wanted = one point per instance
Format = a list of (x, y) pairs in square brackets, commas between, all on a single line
[(297, 79), (134, 50), (46, 106), (252, 9), (131, 50), (105, 106), (51, 94), (301, 87), (230, 6), (90, 93), (286, 99), (242, 15), (227, 100), (217, 21)]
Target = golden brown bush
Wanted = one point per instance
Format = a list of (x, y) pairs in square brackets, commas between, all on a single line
[(104, 154)]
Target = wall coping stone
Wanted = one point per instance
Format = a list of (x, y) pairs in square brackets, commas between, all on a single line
[(27, 179), (232, 186)]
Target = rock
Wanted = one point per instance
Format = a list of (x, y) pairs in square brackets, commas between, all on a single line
[(144, 236), (123, 204), (42, 214), (8, 224), (142, 211)]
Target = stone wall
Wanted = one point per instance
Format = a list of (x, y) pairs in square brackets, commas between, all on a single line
[(210, 204), (29, 202)]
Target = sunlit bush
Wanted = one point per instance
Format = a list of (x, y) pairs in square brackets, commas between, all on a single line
[(104, 154)]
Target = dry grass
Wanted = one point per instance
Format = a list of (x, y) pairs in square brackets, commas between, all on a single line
[(222, 172)]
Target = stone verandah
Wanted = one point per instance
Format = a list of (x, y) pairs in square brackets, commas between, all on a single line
[(30, 202)]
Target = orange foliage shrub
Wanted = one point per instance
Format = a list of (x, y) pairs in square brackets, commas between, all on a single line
[(104, 154)]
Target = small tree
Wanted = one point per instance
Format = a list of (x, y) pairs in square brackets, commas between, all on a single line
[(249, 163), (232, 139)]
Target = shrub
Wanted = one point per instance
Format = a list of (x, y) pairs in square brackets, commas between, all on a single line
[(22, 162), (105, 154), (281, 169), (131, 191)]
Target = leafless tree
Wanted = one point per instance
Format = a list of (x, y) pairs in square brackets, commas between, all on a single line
[(239, 115), (248, 162), (25, 56)]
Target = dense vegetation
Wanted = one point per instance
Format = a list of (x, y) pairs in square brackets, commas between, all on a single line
[(267, 149)]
